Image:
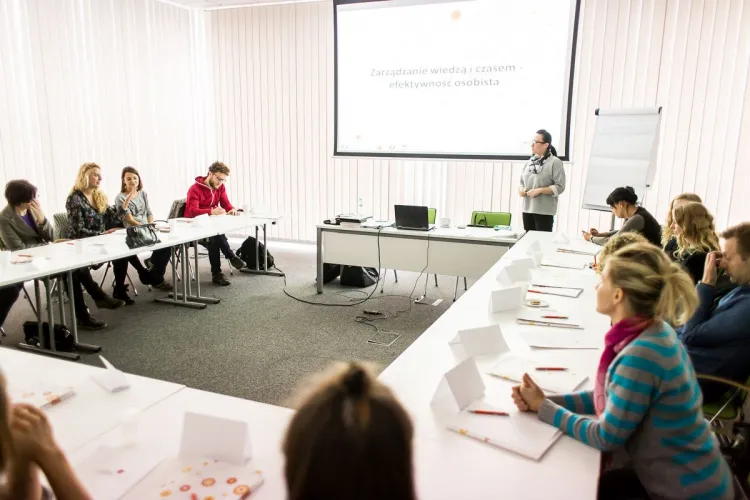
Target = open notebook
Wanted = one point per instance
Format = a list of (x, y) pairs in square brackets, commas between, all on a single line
[(512, 367), (519, 432)]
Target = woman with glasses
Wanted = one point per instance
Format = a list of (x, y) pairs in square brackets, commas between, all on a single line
[(542, 181)]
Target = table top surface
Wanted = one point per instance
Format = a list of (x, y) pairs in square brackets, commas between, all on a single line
[(481, 234), (56, 258)]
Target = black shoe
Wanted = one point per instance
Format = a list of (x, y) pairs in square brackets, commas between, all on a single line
[(220, 279), (122, 294), (146, 278), (109, 303), (90, 323), (164, 285), (236, 262)]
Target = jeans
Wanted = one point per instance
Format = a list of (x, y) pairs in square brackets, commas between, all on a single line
[(8, 297), (538, 222), (214, 245)]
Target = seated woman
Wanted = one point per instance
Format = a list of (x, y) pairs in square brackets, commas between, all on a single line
[(26, 447), (693, 227), (24, 225), (637, 219), (615, 243), (646, 402), (138, 212), (89, 215), (350, 438), (668, 238)]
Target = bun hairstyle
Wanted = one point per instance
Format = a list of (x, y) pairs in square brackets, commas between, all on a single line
[(667, 232), (548, 139), (350, 438), (697, 230), (615, 243), (626, 194), (655, 287)]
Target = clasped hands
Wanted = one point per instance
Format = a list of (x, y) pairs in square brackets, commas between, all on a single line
[(221, 211), (528, 396)]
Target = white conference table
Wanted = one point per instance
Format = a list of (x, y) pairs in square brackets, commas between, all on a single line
[(468, 252), (446, 465), (92, 410), (60, 259), (570, 466)]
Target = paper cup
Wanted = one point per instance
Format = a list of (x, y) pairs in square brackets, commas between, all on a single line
[(246, 208), (445, 222), (172, 225)]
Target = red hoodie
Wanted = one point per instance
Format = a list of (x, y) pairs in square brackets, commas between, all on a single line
[(201, 199)]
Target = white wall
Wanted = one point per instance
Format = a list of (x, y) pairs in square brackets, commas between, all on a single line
[(108, 81), (273, 78), (169, 90)]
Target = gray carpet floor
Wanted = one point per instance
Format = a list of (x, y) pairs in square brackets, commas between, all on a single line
[(257, 343)]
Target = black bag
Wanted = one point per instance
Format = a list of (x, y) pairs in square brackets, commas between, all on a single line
[(246, 252), (141, 236), (330, 272), (63, 337), (361, 277)]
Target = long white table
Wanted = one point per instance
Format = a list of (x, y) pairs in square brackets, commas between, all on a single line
[(468, 252), (446, 464), (61, 259)]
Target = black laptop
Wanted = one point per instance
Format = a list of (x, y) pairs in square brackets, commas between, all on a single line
[(412, 217)]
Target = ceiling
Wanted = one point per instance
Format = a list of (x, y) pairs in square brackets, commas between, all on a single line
[(227, 4)]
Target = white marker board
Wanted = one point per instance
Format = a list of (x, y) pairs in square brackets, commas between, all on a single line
[(623, 153)]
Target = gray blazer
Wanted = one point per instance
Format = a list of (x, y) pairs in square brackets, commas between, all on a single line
[(17, 235)]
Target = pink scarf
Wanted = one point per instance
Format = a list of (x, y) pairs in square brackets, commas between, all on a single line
[(620, 335)]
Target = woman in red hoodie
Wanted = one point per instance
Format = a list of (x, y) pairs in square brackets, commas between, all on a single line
[(208, 196)]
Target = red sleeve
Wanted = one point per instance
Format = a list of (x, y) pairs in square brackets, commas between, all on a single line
[(192, 204), (224, 200)]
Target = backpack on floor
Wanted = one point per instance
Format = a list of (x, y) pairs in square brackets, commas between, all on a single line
[(330, 272), (247, 253), (63, 337), (360, 277)]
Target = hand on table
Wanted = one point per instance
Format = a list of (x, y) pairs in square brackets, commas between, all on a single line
[(218, 211), (110, 231), (233, 212), (528, 396)]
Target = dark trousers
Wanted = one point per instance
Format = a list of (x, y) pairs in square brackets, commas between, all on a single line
[(214, 245), (159, 259), (538, 222), (8, 297), (621, 484), (82, 279)]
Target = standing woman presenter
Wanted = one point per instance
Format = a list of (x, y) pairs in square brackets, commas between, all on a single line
[(542, 181)]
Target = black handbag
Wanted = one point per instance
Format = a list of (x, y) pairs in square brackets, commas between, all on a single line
[(63, 337), (141, 236)]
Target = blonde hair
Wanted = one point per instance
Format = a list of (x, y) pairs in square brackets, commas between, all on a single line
[(615, 243), (667, 233), (100, 201), (697, 231), (655, 287)]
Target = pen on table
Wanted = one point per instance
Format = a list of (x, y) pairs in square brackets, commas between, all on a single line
[(25, 255), (550, 369), (555, 317), (533, 291), (490, 412)]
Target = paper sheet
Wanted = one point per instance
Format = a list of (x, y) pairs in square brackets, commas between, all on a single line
[(184, 478), (110, 472), (562, 339), (572, 293), (520, 432), (566, 261), (39, 394), (535, 317), (512, 368)]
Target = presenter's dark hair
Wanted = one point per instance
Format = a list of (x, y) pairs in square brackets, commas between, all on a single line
[(626, 194), (548, 139)]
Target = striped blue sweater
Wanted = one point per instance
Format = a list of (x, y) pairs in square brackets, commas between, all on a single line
[(653, 413)]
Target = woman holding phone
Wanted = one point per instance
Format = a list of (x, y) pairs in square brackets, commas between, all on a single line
[(542, 181)]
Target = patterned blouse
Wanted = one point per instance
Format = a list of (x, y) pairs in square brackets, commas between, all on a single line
[(84, 220)]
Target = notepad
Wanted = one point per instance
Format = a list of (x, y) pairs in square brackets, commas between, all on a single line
[(565, 261), (536, 318), (185, 478), (41, 395), (520, 432), (556, 290), (545, 339), (512, 368)]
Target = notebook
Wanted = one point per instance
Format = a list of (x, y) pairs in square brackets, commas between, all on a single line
[(561, 291), (512, 368), (520, 432), (554, 319), (565, 261)]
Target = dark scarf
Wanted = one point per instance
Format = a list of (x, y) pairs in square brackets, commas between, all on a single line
[(536, 162)]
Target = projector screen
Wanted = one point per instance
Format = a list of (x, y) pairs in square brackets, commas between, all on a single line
[(452, 79)]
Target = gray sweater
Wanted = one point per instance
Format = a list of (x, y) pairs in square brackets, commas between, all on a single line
[(551, 174), (138, 207)]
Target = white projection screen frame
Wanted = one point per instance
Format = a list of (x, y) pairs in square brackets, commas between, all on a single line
[(412, 81)]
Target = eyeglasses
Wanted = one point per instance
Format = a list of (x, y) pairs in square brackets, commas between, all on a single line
[(538, 142), (220, 179)]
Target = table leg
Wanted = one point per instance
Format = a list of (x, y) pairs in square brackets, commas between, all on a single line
[(320, 261), (73, 319), (257, 269), (197, 299), (181, 299)]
